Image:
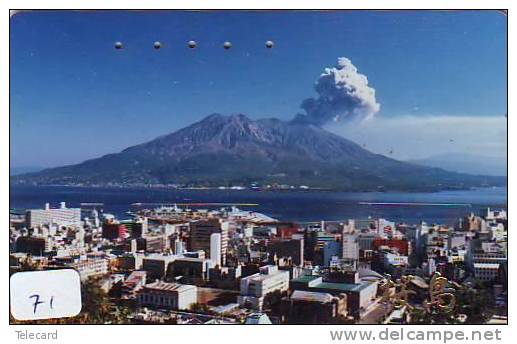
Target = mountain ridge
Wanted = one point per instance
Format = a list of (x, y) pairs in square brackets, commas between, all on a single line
[(235, 150)]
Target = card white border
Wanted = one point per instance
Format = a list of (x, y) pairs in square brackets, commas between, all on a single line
[(224, 334)]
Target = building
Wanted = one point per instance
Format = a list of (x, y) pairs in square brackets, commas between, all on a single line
[(61, 216), (201, 234), (359, 295), (156, 265), (167, 295), (89, 267), (134, 282), (34, 245), (399, 316), (287, 248), (225, 277), (471, 223), (257, 319), (499, 233), (130, 261), (215, 248), (456, 240), (191, 270), (493, 215), (402, 246), (365, 240), (486, 272), (394, 260), (179, 246), (332, 251), (255, 287), (367, 224), (307, 307), (484, 259), (385, 227), (113, 231), (350, 247), (152, 243), (286, 230), (136, 229)]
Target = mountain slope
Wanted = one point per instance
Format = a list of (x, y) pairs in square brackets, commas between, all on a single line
[(234, 150), (15, 170)]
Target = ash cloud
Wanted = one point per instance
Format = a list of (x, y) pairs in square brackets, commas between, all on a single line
[(343, 96)]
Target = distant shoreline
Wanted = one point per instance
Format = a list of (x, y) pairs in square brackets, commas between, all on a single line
[(257, 189), (287, 205)]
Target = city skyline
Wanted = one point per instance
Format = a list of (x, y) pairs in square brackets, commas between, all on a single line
[(182, 265)]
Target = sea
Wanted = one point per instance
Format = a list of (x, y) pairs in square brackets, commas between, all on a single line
[(443, 207)]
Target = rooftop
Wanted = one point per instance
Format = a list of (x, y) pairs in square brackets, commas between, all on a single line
[(498, 320), (305, 279), (261, 276), (311, 296), (135, 276), (368, 273), (257, 319), (487, 265), (344, 287), (164, 286), (159, 256), (190, 259)]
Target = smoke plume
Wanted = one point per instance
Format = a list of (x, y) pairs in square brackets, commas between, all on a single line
[(343, 95)]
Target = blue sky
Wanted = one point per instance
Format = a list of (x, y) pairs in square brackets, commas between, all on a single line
[(74, 97)]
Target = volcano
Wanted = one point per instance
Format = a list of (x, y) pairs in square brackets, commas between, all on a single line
[(235, 150)]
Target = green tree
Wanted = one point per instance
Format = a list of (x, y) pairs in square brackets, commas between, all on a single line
[(475, 302), (200, 308)]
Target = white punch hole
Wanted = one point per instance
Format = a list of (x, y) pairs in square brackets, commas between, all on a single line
[(45, 294)]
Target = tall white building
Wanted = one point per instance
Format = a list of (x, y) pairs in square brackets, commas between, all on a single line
[(215, 248), (200, 235), (61, 216), (385, 226), (350, 247), (178, 246), (95, 221), (255, 287), (349, 226)]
